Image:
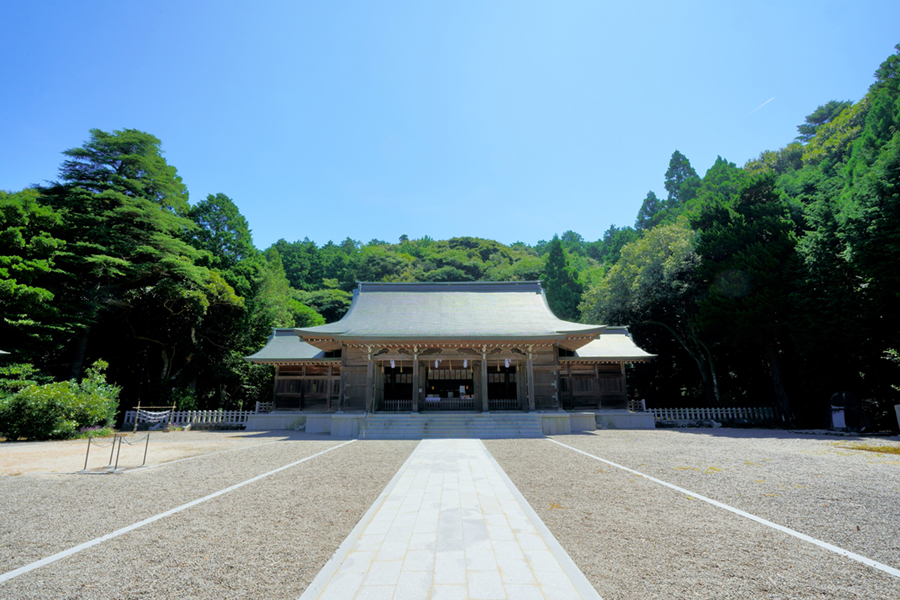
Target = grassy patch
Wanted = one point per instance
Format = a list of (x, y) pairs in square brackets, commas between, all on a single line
[(881, 449)]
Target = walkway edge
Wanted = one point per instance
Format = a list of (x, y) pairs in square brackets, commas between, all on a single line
[(581, 583), (317, 585)]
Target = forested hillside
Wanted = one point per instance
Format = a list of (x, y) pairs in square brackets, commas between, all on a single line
[(775, 283)]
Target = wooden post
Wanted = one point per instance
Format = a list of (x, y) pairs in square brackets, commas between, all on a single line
[(275, 387), (484, 380), (529, 366), (342, 386), (329, 389), (370, 379), (415, 380)]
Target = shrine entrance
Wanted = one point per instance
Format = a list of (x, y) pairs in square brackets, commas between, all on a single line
[(450, 388)]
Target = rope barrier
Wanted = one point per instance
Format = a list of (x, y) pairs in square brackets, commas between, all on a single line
[(99, 445), (132, 443), (120, 437)]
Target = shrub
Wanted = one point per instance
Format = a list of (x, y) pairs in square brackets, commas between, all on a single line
[(56, 411)]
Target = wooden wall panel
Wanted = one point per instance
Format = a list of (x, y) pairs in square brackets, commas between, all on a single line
[(545, 391)]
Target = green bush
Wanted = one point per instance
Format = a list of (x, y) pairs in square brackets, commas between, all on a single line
[(56, 411)]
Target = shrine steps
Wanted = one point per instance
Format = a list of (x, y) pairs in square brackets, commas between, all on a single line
[(414, 426)]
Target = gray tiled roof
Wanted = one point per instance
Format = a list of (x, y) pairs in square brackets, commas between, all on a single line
[(285, 346), (457, 311), (615, 345)]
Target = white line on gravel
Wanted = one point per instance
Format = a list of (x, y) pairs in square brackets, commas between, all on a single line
[(846, 553), (60, 555), (178, 460)]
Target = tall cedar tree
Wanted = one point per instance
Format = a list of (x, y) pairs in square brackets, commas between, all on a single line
[(561, 282), (33, 324), (650, 213), (681, 181), (749, 264), (125, 208)]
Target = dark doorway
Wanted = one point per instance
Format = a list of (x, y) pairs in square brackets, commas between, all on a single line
[(398, 385), (502, 383)]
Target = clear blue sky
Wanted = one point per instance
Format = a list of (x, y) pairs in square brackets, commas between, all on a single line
[(506, 120)]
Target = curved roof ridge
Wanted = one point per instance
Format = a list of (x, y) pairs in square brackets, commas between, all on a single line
[(457, 310)]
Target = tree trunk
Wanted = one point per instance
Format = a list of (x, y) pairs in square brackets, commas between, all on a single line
[(712, 372), (704, 364), (80, 352), (784, 405), (81, 348)]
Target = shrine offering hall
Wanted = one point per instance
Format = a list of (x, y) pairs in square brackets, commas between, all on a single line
[(433, 347)]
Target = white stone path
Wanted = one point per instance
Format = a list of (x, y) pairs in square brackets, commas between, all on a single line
[(450, 525)]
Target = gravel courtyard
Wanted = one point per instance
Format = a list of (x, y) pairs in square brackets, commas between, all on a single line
[(633, 538)]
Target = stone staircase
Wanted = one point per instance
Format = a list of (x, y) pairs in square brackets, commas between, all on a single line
[(414, 426)]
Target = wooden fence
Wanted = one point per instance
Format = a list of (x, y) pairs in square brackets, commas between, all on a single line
[(754, 414), (185, 417), (435, 403), (503, 404), (404, 405)]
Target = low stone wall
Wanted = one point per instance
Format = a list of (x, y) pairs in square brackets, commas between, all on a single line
[(626, 420), (351, 424), (338, 425)]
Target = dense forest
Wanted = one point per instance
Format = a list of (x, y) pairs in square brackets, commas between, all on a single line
[(774, 283)]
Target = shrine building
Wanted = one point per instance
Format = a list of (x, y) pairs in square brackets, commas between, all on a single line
[(436, 348)]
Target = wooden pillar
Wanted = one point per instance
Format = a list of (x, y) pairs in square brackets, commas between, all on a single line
[(274, 392), (529, 366), (343, 386), (329, 388), (484, 380), (415, 380), (370, 379)]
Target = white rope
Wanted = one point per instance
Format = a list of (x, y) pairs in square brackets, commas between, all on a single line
[(152, 417)]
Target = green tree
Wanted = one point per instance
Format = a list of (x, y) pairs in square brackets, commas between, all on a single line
[(822, 115), (221, 230), (654, 283), (31, 322), (749, 264), (562, 284), (682, 181), (871, 232), (650, 213), (607, 249), (124, 208)]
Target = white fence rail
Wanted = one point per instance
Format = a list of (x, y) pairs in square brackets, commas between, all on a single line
[(263, 407), (757, 413), (185, 417)]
